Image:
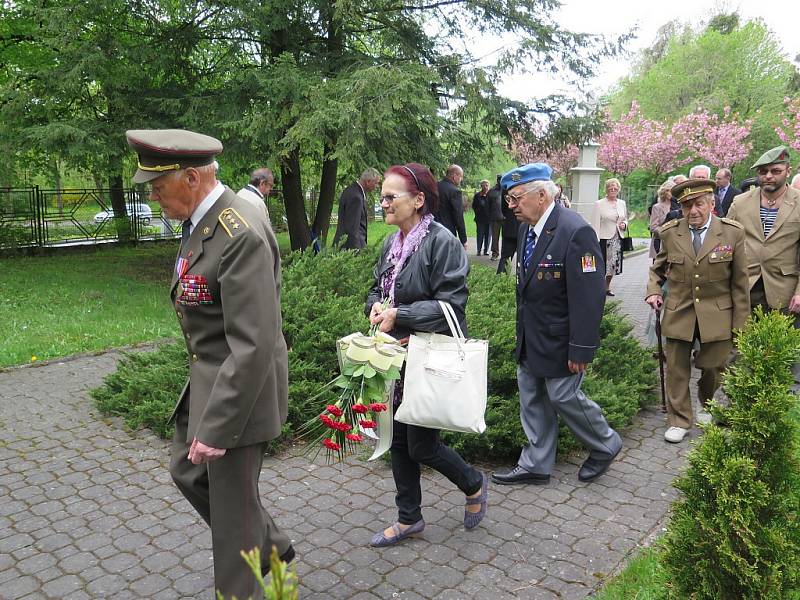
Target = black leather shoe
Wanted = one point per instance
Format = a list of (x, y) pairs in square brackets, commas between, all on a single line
[(286, 557), (520, 475), (592, 468)]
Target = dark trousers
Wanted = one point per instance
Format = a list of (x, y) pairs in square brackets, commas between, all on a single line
[(496, 227), (508, 250), (413, 446), (224, 492), (484, 236)]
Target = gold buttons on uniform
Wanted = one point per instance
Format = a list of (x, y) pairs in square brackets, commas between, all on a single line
[(696, 289), (697, 299), (195, 358), (189, 336), (179, 313), (696, 275)]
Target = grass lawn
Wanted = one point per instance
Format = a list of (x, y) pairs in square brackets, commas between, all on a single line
[(84, 301), (643, 579)]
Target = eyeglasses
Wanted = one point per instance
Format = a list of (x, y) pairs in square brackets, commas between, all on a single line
[(510, 198), (777, 171), (390, 198)]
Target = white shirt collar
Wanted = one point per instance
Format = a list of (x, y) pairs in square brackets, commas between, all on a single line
[(363, 191), (255, 189), (537, 229), (206, 205)]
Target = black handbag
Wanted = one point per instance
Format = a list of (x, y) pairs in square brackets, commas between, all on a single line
[(627, 244)]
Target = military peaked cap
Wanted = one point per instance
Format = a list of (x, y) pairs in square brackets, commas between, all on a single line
[(692, 188), (163, 150)]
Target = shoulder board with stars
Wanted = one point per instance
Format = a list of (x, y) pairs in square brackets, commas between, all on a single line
[(232, 222), (732, 222), (669, 224)]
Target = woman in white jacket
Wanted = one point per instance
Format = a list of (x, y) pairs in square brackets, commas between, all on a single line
[(610, 220)]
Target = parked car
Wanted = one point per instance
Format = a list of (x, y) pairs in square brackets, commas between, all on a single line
[(142, 211)]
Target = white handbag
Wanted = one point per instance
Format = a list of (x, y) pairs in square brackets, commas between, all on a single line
[(445, 380)]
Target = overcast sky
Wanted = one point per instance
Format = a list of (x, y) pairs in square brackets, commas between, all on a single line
[(616, 17)]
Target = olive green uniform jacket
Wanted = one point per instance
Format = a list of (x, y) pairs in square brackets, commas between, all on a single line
[(238, 382), (711, 289), (775, 258)]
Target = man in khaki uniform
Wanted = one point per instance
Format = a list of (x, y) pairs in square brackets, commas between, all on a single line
[(770, 215), (226, 294), (703, 258)]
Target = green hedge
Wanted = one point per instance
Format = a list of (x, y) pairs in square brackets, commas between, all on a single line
[(323, 299)]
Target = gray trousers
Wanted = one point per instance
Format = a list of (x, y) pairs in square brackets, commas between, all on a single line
[(541, 401), (225, 494)]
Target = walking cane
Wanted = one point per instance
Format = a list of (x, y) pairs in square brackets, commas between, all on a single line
[(661, 360)]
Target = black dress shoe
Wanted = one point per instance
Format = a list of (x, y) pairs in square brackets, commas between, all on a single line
[(520, 475), (286, 557), (592, 468)]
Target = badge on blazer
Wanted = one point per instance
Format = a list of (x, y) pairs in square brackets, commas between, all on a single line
[(588, 263)]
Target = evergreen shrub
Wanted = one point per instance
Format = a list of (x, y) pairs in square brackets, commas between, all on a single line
[(323, 299), (735, 533)]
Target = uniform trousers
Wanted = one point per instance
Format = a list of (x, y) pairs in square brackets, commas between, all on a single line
[(541, 401), (224, 492), (758, 297), (412, 446), (711, 359)]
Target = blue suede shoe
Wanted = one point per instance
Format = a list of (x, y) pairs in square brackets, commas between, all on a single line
[(379, 540), (471, 520)]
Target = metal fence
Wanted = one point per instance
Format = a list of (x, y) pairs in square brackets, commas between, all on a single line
[(35, 217)]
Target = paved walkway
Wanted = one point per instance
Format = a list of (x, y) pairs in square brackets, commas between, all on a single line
[(87, 509)]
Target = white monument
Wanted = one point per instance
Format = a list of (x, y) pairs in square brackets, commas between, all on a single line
[(586, 180)]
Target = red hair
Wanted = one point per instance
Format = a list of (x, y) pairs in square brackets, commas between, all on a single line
[(418, 178)]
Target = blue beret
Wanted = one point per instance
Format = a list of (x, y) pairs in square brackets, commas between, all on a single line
[(526, 173)]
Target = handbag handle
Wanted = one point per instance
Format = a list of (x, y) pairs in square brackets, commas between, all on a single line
[(452, 322)]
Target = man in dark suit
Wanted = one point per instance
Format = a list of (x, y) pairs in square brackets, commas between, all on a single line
[(451, 204), (496, 216), (352, 220), (724, 193), (510, 228), (560, 298), (226, 294)]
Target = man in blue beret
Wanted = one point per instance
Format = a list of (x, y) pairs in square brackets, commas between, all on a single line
[(560, 299)]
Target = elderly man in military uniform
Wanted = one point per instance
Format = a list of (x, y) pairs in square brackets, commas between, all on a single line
[(703, 258), (560, 299), (770, 215), (226, 294)]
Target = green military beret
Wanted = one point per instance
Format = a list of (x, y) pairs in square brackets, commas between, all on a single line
[(692, 188), (778, 154), (163, 150)]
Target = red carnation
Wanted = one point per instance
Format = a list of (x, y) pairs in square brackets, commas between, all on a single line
[(331, 445), (368, 424), (328, 421), (355, 437), (377, 407), (334, 410), (360, 408), (342, 426)]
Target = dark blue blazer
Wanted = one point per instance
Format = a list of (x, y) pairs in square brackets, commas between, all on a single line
[(560, 298)]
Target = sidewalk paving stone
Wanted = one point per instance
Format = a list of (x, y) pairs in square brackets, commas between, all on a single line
[(87, 508)]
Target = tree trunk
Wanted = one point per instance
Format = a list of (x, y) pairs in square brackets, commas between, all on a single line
[(121, 220), (299, 233), (59, 195), (327, 191)]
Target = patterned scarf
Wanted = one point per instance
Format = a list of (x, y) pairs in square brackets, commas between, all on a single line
[(402, 248)]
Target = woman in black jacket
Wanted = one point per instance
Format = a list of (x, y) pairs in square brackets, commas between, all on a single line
[(420, 264)]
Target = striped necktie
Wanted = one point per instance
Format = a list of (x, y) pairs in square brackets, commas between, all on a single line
[(530, 244), (180, 261)]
